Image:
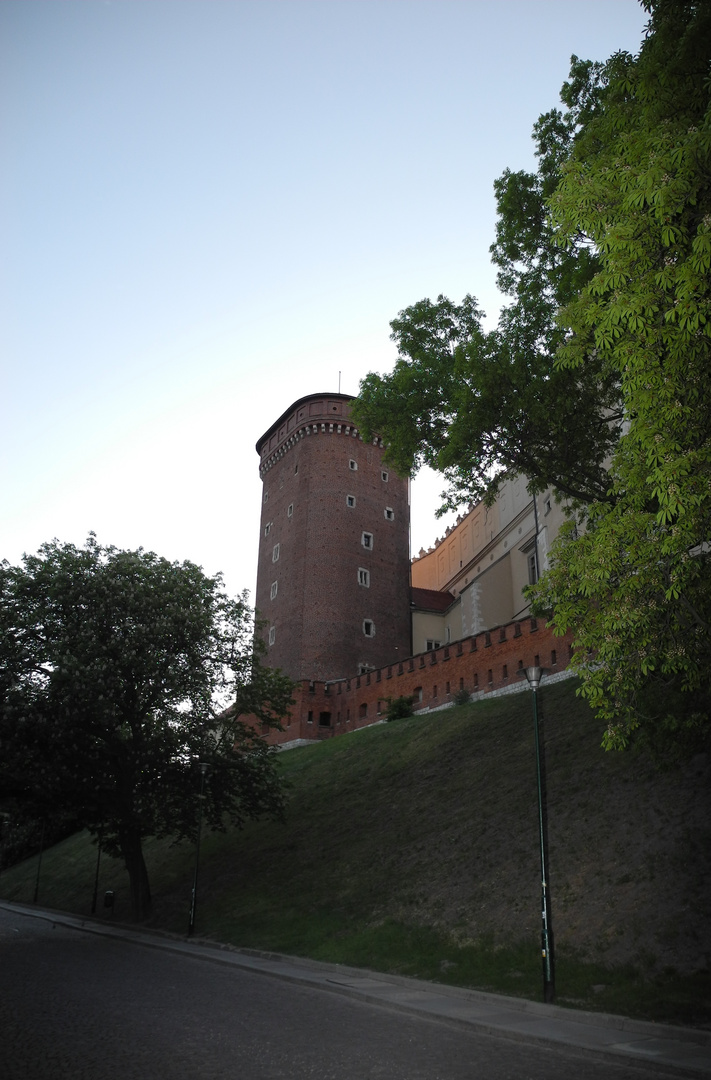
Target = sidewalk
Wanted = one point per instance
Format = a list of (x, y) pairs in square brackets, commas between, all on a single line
[(656, 1047)]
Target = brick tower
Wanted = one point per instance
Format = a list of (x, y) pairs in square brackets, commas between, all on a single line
[(333, 574)]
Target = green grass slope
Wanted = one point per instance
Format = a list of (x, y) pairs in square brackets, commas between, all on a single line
[(413, 847)]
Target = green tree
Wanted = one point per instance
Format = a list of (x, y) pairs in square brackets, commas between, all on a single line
[(596, 379), (635, 587), (120, 672), (476, 405)]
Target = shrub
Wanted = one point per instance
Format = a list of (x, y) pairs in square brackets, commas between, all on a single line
[(398, 708)]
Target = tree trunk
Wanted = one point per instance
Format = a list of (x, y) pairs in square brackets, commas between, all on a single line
[(132, 851)]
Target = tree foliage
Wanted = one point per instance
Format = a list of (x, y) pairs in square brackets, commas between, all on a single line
[(596, 380), (119, 672), (475, 405), (636, 585)]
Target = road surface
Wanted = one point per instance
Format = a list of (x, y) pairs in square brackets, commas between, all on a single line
[(87, 1007)]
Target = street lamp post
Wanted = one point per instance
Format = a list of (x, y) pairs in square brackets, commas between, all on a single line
[(193, 899), (533, 676), (39, 863), (96, 875)]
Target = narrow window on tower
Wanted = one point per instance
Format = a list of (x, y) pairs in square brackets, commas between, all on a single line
[(389, 513), (352, 465), (272, 634), (266, 496), (364, 577), (350, 500), (367, 540), (267, 528), (275, 553), (368, 628), (275, 586), (290, 510), (384, 476)]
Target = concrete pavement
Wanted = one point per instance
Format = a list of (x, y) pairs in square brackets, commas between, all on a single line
[(656, 1047)]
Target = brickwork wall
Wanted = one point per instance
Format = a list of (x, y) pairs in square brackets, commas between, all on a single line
[(323, 489), (484, 662)]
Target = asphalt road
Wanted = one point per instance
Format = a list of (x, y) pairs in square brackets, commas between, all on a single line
[(80, 1006)]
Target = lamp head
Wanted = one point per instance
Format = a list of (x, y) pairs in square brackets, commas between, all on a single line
[(533, 675)]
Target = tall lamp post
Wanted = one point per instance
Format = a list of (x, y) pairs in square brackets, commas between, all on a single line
[(533, 676), (98, 864), (39, 863), (193, 899)]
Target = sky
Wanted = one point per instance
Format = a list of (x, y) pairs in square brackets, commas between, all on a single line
[(211, 208)]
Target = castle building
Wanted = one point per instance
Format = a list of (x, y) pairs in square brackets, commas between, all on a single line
[(333, 573), (347, 616), (473, 578)]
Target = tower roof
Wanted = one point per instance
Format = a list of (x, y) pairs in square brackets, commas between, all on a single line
[(292, 408)]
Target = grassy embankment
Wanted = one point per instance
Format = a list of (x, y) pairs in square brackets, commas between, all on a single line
[(412, 847)]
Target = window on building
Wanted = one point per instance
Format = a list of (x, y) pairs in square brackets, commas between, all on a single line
[(363, 710), (273, 591), (368, 628), (290, 510), (532, 569), (324, 719), (272, 634), (275, 553), (432, 644), (547, 507), (350, 500), (266, 496), (267, 528), (296, 468), (367, 540), (389, 513), (364, 577), (384, 476), (352, 465)]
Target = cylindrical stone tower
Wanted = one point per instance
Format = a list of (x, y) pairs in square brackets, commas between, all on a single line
[(334, 558)]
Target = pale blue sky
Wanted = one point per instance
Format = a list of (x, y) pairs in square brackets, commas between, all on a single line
[(209, 209)]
